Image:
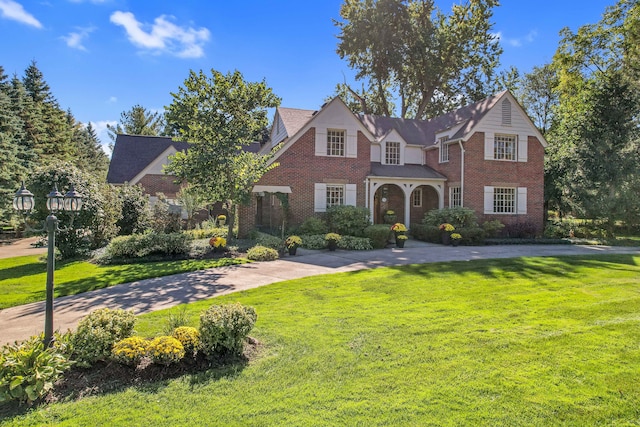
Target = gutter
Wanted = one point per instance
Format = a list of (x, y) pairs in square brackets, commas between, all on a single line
[(461, 172)]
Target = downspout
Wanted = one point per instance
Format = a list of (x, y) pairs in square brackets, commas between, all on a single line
[(461, 172)]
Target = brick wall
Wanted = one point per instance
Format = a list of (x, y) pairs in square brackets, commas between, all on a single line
[(300, 169), (154, 184)]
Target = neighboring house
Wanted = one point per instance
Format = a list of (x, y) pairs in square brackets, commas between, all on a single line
[(487, 156)]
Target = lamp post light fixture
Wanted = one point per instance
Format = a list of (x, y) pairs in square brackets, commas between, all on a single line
[(23, 202)]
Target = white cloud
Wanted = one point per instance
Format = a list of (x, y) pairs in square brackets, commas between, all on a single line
[(101, 130), (163, 35), (13, 10), (112, 100), (74, 39), (517, 42)]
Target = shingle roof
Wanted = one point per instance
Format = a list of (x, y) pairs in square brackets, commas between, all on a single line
[(133, 153), (294, 119), (423, 132), (404, 171)]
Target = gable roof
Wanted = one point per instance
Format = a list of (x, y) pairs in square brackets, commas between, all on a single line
[(133, 153), (423, 132), (294, 119)]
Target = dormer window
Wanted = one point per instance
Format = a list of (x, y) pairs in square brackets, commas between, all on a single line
[(444, 149), (392, 153)]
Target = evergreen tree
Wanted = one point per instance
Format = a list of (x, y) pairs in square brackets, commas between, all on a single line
[(138, 121)]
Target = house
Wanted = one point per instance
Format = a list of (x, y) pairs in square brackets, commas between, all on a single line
[(487, 156)]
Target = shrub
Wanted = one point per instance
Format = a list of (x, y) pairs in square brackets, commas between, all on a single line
[(165, 217), (189, 338), (141, 245), (130, 351), (135, 214), (165, 350), (348, 220), (557, 229), (426, 233), (471, 235), (351, 243), (98, 332), (315, 241), (269, 241), (218, 242), (378, 234), (206, 233), (223, 328), (176, 319), (28, 370), (522, 230), (459, 217), (261, 253), (313, 225), (492, 228)]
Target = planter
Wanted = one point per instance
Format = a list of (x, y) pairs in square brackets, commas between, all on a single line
[(400, 243), (455, 242), (332, 245), (389, 219), (292, 250), (446, 238)]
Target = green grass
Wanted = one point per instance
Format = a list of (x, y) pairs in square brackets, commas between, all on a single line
[(23, 279), (521, 342)]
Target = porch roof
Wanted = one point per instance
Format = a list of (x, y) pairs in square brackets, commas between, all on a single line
[(404, 171)]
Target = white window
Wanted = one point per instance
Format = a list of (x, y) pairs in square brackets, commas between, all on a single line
[(416, 198), (335, 142), (335, 195), (504, 147), (455, 196), (392, 153), (504, 200), (444, 150)]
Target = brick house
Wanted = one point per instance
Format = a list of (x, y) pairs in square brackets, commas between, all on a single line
[(487, 156)]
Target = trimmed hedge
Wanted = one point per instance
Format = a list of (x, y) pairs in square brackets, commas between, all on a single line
[(348, 220), (142, 245), (262, 253), (223, 328), (426, 233), (378, 234)]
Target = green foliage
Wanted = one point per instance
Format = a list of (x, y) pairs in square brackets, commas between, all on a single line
[(165, 350), (135, 214), (269, 241), (176, 320), (223, 328), (459, 217), (262, 253), (426, 233), (218, 115), (130, 351), (206, 233), (142, 245), (471, 235), (28, 370), (378, 234), (138, 121), (492, 228), (352, 243), (189, 338), (313, 241), (98, 332), (526, 230), (429, 62), (165, 218), (313, 225), (348, 220)]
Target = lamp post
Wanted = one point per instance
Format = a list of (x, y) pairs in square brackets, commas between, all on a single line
[(23, 202)]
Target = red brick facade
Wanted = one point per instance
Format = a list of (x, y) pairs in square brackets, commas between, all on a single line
[(154, 184)]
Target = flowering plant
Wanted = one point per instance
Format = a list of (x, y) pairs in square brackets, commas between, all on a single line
[(222, 218), (332, 237), (456, 236), (447, 227), (389, 212), (293, 241), (398, 226), (401, 237), (218, 242)]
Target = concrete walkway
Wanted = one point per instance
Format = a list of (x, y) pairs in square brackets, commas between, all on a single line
[(155, 294)]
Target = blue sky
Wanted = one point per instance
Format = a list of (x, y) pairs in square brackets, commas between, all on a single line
[(101, 57)]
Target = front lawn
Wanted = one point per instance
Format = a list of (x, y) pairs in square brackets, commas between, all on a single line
[(23, 279), (533, 341)]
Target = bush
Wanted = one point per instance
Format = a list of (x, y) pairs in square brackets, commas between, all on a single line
[(492, 228), (459, 217), (98, 332), (28, 370), (315, 241), (426, 233), (165, 350), (206, 233), (348, 220), (189, 338), (223, 328), (378, 234), (351, 243), (557, 229), (471, 235), (313, 225), (130, 351), (166, 218), (261, 253), (141, 245), (135, 214), (269, 241), (521, 230)]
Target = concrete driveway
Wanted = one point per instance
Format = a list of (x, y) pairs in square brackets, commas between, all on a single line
[(159, 293)]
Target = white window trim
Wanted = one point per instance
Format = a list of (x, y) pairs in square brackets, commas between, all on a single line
[(320, 195), (413, 200), (384, 153), (520, 201), (444, 150), (344, 143), (515, 146), (451, 205)]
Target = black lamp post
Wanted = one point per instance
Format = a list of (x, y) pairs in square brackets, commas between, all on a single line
[(23, 202)]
